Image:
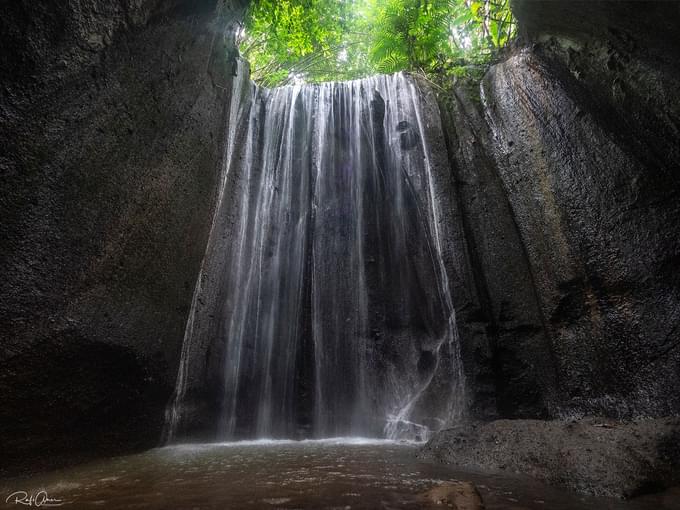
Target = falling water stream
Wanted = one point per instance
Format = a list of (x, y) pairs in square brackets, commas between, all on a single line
[(324, 293)]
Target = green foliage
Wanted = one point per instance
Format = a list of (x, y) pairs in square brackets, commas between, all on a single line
[(321, 40)]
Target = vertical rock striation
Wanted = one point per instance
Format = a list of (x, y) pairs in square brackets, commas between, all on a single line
[(566, 168)]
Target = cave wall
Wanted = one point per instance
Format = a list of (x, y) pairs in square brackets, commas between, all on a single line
[(564, 220), (566, 161), (507, 354), (112, 122)]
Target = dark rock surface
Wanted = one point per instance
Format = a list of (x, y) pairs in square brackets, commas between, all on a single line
[(112, 117), (593, 456), (458, 495), (564, 225), (566, 170), (507, 355), (586, 137)]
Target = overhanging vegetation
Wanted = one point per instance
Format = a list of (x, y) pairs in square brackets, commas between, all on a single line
[(289, 41)]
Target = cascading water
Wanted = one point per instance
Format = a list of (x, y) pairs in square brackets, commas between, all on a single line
[(327, 309)]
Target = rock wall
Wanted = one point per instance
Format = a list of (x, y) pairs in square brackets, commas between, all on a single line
[(586, 455), (564, 245), (566, 164), (505, 347), (112, 122)]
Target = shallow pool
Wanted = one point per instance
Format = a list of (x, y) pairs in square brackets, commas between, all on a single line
[(329, 474)]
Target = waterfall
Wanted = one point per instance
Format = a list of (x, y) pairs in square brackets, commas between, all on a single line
[(328, 311)]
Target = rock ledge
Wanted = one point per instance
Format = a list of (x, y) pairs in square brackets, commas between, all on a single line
[(593, 456)]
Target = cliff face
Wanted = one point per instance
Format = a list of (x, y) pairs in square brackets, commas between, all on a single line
[(565, 165), (112, 121), (563, 219), (567, 173)]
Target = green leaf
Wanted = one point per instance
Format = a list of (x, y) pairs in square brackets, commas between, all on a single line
[(345, 39)]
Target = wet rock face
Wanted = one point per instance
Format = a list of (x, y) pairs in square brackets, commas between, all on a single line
[(111, 121), (597, 216), (506, 350), (569, 194)]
